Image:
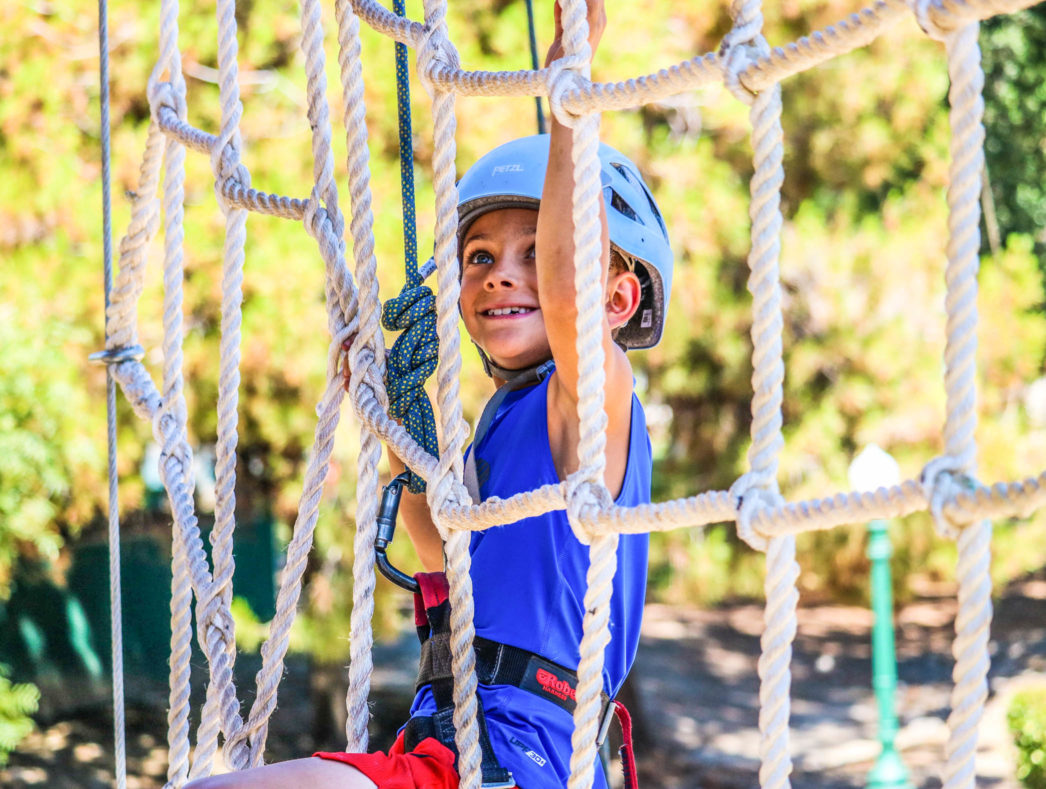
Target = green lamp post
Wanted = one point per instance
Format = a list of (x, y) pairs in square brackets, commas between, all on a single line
[(872, 469)]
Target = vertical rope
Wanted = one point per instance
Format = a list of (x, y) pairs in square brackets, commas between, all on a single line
[(222, 706), (181, 648), (406, 152), (758, 487), (170, 420), (115, 597), (586, 493), (975, 608), (532, 35), (324, 222), (767, 381), (412, 313), (446, 485), (366, 354)]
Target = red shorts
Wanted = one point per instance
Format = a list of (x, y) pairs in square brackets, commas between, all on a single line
[(429, 766)]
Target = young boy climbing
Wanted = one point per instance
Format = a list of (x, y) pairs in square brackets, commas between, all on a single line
[(518, 304)]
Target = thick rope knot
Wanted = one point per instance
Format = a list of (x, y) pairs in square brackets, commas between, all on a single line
[(928, 13), (586, 501), (162, 94), (564, 75), (448, 495), (227, 180), (435, 54), (316, 219), (237, 752), (176, 466), (175, 455), (410, 363), (219, 626), (752, 493), (943, 479), (741, 47), (364, 381)]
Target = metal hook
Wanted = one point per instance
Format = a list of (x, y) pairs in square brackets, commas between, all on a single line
[(390, 504)]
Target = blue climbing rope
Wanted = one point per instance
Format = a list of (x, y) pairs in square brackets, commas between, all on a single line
[(410, 225), (413, 312), (415, 352), (534, 62)]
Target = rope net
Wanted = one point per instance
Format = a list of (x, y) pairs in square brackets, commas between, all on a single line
[(752, 71)]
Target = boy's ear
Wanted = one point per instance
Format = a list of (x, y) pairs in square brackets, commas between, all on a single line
[(623, 295)]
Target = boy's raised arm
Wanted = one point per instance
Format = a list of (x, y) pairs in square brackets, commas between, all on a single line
[(556, 290)]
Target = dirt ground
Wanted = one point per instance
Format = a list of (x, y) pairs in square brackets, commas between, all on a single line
[(697, 689)]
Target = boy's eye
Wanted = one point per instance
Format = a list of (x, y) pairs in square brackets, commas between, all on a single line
[(480, 258)]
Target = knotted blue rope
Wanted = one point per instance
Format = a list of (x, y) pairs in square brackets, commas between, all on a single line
[(412, 360), (412, 313)]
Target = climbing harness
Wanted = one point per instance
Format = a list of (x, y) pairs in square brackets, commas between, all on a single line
[(432, 619), (496, 663)]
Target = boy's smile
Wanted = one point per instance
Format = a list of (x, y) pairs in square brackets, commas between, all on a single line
[(499, 288)]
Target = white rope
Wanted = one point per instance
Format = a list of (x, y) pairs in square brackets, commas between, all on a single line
[(222, 704), (752, 71), (744, 45), (974, 617), (367, 355)]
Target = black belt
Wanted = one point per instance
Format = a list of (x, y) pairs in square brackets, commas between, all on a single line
[(503, 664)]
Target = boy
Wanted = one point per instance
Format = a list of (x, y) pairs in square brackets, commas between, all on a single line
[(518, 304)]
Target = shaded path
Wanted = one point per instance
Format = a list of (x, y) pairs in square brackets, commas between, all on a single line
[(697, 670)]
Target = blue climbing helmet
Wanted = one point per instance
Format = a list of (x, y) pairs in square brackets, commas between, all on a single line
[(512, 176)]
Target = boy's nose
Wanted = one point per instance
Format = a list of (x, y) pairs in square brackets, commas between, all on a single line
[(502, 274)]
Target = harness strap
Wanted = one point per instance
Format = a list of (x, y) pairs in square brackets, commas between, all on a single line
[(517, 380), (432, 619), (627, 749), (503, 664)]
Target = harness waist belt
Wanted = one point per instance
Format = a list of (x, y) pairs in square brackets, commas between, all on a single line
[(503, 664)]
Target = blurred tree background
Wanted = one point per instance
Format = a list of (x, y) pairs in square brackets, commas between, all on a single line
[(862, 270)]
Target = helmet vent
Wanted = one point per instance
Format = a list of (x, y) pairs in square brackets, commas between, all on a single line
[(617, 202), (635, 181), (654, 211)]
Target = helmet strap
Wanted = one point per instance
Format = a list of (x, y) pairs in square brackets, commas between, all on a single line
[(520, 377)]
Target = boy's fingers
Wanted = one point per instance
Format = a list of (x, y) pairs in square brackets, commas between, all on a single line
[(596, 14)]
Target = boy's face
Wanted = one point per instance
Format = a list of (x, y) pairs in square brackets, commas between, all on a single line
[(499, 288)]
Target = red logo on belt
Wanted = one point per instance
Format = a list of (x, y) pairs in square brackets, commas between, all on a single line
[(555, 686)]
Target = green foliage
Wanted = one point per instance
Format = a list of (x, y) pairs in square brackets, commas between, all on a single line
[(862, 263), (1027, 719), (1014, 52), (44, 455), (18, 701)]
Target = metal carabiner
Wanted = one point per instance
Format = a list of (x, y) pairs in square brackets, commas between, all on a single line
[(390, 504)]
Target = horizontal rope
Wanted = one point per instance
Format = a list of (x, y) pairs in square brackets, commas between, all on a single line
[(1004, 499), (240, 196), (855, 31)]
